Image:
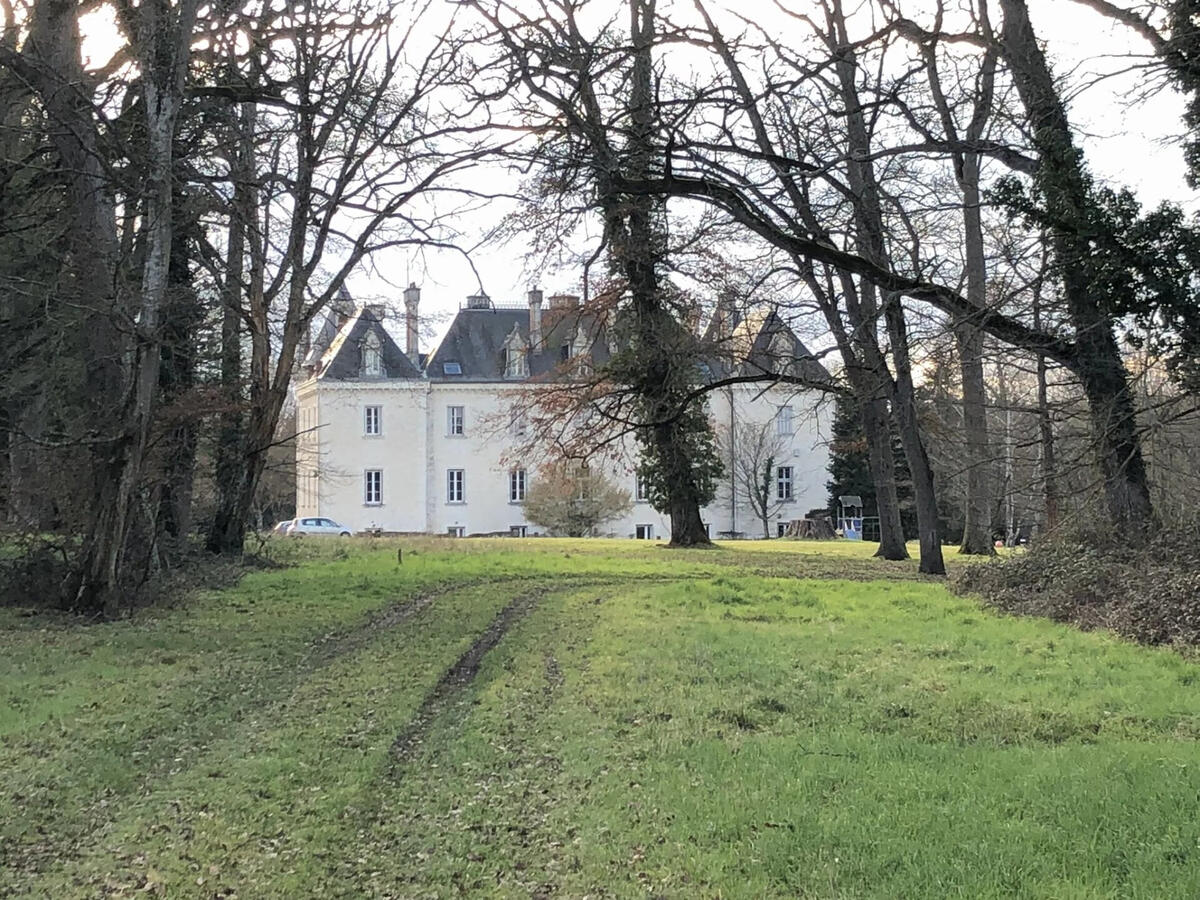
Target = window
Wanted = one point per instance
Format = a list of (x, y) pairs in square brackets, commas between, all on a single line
[(451, 368), (784, 421), (455, 486), (372, 356), (514, 363), (644, 532), (783, 483), (457, 531), (373, 420), (455, 420), (517, 530), (781, 529), (373, 487), (641, 489), (518, 423), (516, 486), (565, 352)]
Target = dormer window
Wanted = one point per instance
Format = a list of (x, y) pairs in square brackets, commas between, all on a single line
[(372, 356), (782, 353), (515, 365)]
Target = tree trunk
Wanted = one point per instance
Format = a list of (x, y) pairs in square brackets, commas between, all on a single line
[(1045, 429), (1099, 365), (977, 525), (637, 247), (878, 431), (870, 238), (177, 379), (227, 532)]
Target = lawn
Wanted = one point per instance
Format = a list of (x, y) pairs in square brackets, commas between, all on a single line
[(547, 718)]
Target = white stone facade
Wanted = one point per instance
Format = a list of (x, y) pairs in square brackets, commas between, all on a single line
[(422, 453)]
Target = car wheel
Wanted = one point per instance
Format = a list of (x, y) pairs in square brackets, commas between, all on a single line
[(345, 534)]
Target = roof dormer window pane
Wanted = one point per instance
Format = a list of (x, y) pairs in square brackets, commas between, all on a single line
[(372, 356), (515, 365)]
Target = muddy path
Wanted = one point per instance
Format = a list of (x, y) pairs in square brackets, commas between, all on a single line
[(455, 680)]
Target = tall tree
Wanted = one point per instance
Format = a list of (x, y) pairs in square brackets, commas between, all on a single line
[(366, 149), (1074, 217), (606, 123)]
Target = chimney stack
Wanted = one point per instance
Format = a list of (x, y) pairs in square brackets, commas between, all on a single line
[(564, 301), (535, 320), (342, 307), (412, 299)]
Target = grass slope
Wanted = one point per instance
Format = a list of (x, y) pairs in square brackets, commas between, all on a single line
[(657, 724)]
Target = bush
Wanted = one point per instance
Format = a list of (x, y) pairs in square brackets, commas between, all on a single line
[(1148, 592)]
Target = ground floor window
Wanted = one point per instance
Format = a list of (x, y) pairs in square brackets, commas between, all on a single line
[(455, 486), (644, 532), (517, 530), (516, 486), (781, 528), (373, 487), (457, 531)]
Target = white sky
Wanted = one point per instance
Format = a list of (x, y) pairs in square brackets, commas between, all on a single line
[(1126, 138)]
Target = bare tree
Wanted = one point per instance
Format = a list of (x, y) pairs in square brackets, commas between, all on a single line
[(361, 131), (753, 450)]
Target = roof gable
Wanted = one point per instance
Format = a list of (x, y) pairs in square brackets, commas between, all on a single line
[(343, 360)]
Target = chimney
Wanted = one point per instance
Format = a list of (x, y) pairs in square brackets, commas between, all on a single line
[(342, 307), (564, 301), (535, 321), (726, 317), (412, 299), (378, 311)]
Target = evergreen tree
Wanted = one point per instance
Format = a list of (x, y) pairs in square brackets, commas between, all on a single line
[(850, 469)]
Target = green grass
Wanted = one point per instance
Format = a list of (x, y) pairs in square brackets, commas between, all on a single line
[(776, 719)]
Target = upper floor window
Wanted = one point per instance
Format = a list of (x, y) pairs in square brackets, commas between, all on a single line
[(785, 421), (373, 487), (518, 423), (372, 356), (456, 420), (373, 420), (783, 483), (641, 489), (515, 363), (517, 481)]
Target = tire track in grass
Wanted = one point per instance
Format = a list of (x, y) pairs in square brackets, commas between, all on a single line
[(455, 681), (180, 747)]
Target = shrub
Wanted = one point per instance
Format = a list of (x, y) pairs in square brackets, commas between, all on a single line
[(1147, 591)]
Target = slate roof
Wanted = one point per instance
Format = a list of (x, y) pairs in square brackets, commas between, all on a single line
[(476, 340), (342, 359), (761, 344), (473, 348)]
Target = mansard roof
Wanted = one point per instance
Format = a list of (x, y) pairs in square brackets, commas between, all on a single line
[(342, 358), (762, 343), (473, 349), (477, 338)]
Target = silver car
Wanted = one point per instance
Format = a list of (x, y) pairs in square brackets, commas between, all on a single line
[(316, 525)]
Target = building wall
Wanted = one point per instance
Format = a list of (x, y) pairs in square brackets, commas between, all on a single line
[(415, 452)]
